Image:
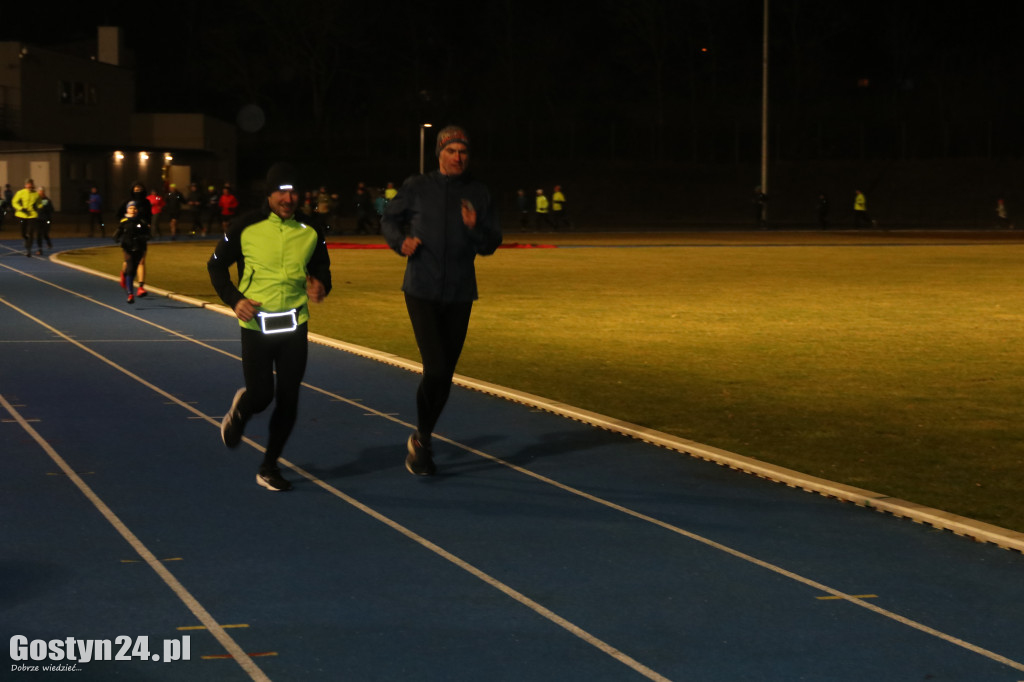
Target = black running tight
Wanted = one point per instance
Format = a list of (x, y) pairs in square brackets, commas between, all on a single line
[(262, 354), (440, 330)]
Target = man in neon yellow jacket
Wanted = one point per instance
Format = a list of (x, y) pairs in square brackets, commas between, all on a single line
[(25, 203), (283, 265)]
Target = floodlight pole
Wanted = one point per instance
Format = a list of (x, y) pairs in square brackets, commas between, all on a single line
[(764, 115), (423, 128)]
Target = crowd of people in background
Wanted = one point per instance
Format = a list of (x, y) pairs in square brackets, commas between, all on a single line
[(206, 212), (366, 206), (541, 213), (33, 210), (200, 212), (197, 213)]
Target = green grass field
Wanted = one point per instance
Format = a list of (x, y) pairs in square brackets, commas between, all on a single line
[(891, 362)]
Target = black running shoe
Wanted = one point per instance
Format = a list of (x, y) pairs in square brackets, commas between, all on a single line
[(420, 460), (272, 480), (232, 426)]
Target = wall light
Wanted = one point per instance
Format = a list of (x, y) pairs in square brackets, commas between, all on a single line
[(118, 156), (143, 156)]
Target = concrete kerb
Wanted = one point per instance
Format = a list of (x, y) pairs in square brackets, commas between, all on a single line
[(976, 530)]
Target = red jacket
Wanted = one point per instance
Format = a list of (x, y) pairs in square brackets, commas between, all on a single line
[(228, 205), (157, 202)]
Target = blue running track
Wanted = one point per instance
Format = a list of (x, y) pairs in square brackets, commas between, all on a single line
[(545, 549)]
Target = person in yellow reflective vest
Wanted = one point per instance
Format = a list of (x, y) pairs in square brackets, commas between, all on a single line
[(25, 210), (860, 211), (285, 265), (542, 211), (559, 208)]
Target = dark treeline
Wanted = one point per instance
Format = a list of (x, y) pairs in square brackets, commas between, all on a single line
[(658, 80), (645, 79)]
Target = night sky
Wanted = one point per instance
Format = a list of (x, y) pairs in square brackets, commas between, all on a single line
[(680, 77)]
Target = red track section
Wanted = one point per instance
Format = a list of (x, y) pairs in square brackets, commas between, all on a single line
[(513, 245)]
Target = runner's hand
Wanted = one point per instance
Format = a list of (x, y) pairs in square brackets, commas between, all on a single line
[(245, 309), (315, 289), (410, 245), (468, 214)]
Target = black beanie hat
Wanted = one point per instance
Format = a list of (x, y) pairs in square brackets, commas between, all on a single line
[(282, 176)]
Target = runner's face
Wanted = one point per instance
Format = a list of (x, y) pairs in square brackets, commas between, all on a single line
[(454, 159), (283, 202)]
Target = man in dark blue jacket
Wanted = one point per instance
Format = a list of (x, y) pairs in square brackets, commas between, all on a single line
[(440, 222)]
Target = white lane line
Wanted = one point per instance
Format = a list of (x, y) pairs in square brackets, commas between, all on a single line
[(210, 622), (838, 594), (766, 565), (708, 542), (509, 591), (183, 594), (122, 311)]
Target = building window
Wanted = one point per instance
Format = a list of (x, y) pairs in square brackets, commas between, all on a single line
[(76, 92)]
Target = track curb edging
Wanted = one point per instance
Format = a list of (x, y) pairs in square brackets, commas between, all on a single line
[(976, 530)]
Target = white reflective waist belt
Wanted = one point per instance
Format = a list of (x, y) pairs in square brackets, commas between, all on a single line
[(277, 323)]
